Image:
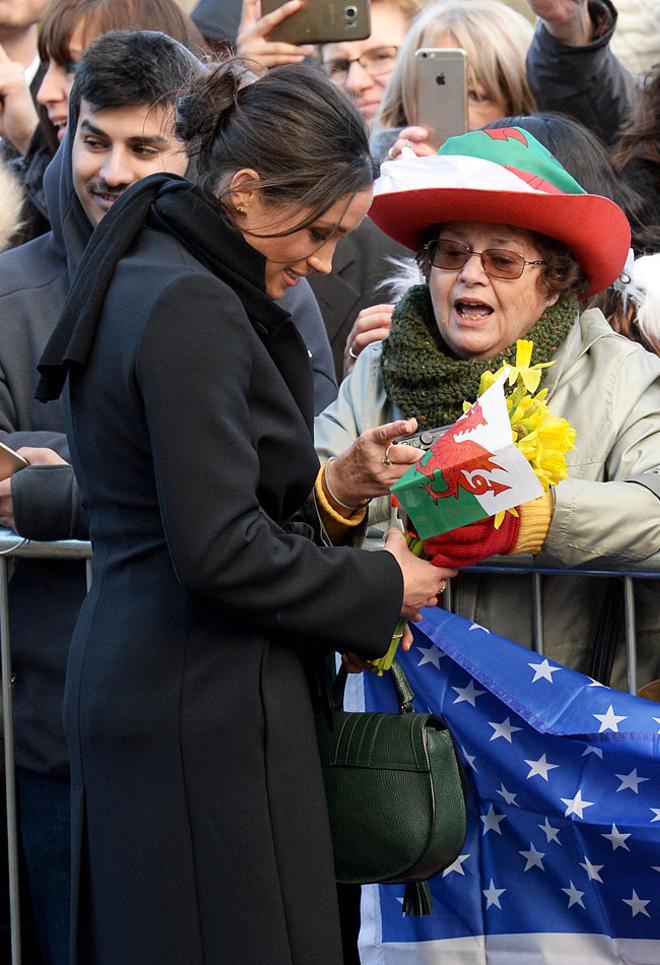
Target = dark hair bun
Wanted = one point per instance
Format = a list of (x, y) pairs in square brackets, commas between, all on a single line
[(301, 135), (208, 102)]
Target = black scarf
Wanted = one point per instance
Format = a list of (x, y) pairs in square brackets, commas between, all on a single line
[(171, 203)]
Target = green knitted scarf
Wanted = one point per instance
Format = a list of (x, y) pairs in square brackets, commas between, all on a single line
[(427, 382)]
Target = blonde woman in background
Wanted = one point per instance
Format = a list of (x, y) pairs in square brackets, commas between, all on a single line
[(495, 39)]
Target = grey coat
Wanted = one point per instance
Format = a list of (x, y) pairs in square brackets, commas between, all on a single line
[(34, 280)]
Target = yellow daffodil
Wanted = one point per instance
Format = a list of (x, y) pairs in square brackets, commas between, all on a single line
[(542, 438), (529, 375)]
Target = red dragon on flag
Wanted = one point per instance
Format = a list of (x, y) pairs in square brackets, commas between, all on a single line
[(463, 463)]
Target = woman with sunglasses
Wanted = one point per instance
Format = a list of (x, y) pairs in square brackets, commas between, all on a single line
[(508, 242)]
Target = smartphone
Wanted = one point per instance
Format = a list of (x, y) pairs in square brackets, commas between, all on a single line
[(424, 439), (10, 461), (322, 22), (441, 92)]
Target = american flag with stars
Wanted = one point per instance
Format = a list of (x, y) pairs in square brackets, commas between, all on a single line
[(561, 863)]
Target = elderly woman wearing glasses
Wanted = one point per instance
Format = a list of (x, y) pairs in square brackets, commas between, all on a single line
[(507, 242)]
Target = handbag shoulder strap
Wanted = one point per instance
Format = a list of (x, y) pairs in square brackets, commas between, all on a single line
[(404, 692)]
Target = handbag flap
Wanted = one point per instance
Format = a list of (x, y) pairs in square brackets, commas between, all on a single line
[(387, 741)]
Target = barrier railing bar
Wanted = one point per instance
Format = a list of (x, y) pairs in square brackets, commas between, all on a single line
[(10, 774), (537, 612), (448, 597), (88, 573), (518, 570), (62, 549), (631, 634)]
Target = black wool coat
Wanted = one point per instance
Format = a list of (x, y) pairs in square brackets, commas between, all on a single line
[(199, 821)]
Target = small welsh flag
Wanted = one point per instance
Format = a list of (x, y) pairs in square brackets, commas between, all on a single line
[(473, 470)]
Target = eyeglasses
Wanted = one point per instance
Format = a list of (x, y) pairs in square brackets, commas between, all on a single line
[(496, 262), (373, 62)]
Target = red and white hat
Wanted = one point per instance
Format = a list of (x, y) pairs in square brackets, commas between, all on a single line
[(502, 176)]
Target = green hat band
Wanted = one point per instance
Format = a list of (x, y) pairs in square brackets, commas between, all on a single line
[(516, 149)]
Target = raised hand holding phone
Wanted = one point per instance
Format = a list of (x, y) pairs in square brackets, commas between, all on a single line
[(567, 20), (18, 115), (253, 41), (415, 139), (322, 21)]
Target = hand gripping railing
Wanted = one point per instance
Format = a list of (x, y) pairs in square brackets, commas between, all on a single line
[(11, 546)]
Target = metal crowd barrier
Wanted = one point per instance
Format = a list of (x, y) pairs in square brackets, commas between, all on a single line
[(504, 566), (12, 546)]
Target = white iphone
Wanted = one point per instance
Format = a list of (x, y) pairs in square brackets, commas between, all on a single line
[(441, 92)]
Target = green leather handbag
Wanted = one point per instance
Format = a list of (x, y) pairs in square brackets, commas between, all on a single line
[(396, 794)]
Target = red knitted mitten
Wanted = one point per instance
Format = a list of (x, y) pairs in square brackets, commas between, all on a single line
[(476, 541)]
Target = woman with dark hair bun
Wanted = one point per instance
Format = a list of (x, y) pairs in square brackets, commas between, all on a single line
[(203, 648)]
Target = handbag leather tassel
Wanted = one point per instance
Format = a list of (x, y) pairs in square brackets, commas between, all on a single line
[(417, 899)]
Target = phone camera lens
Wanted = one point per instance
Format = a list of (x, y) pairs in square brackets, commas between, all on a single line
[(350, 12)]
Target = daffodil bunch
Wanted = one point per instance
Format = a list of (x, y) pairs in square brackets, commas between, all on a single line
[(543, 439)]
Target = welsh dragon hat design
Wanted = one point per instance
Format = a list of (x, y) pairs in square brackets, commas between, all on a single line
[(502, 176)]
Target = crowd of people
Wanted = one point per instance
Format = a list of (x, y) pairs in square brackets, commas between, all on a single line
[(236, 271)]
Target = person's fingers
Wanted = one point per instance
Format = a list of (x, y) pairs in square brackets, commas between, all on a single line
[(447, 573), (368, 337), (413, 134), (272, 48), (249, 14), (4, 57), (406, 147), (372, 325), (353, 663), (406, 639), (40, 456), (369, 322), (385, 309), (403, 455), (395, 540), (386, 433), (271, 20), (269, 60)]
